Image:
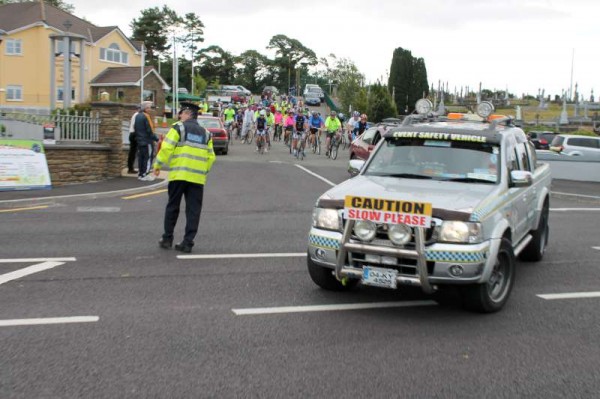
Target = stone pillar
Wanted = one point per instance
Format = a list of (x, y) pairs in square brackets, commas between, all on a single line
[(111, 117)]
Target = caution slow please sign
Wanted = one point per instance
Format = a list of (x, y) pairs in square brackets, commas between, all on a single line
[(379, 210)]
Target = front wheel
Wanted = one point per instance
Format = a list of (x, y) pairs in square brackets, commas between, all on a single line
[(334, 149), (325, 278), (492, 296)]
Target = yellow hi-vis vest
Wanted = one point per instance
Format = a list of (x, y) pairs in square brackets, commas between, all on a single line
[(188, 154)]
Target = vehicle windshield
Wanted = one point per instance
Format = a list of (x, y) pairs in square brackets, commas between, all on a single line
[(467, 162), (209, 123)]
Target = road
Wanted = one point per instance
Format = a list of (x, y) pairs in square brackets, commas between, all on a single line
[(143, 322)]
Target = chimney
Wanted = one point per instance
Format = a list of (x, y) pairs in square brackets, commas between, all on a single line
[(43, 9)]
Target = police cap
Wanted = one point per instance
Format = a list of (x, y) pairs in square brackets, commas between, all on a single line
[(189, 106)]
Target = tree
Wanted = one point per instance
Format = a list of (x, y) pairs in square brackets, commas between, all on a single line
[(216, 63), (408, 79), (56, 3), (193, 34), (381, 104), (152, 28), (349, 81), (288, 54), (253, 70)]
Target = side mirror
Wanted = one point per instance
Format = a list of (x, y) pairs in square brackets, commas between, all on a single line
[(355, 166), (520, 178)]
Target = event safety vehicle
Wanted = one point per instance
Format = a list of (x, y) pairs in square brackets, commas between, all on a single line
[(442, 201)]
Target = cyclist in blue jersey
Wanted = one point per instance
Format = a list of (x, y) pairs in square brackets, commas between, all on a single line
[(315, 122)]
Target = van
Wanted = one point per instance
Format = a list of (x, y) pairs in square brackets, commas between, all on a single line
[(583, 146)]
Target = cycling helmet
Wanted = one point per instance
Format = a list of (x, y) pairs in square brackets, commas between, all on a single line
[(333, 113), (355, 113), (315, 113), (262, 113), (340, 115)]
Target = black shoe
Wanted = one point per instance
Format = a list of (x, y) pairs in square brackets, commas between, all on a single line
[(181, 247), (165, 244), (132, 172)]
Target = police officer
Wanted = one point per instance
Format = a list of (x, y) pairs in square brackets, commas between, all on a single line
[(188, 151)]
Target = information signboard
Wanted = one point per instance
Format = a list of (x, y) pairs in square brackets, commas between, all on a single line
[(23, 165)]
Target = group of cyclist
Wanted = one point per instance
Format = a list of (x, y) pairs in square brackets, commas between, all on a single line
[(287, 119)]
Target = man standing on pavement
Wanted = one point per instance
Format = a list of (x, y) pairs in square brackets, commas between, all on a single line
[(144, 132), (188, 152), (132, 144)]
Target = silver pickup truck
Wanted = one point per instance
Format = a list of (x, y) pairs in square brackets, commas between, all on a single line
[(442, 200)]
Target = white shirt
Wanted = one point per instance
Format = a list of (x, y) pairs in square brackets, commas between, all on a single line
[(132, 123)]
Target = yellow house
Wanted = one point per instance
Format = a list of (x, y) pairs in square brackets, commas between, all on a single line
[(26, 57)]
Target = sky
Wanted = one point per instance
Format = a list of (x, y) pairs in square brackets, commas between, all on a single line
[(519, 45)]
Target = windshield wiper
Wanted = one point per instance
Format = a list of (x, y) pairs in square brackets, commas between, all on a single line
[(470, 180), (404, 175)]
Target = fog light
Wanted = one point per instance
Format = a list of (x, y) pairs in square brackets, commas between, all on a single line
[(456, 270), (320, 253), (399, 234), (365, 230)]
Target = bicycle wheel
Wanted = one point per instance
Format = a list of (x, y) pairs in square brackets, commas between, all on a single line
[(313, 145), (318, 140), (334, 149)]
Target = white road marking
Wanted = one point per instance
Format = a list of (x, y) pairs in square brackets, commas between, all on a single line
[(598, 248), (316, 175), (328, 308), (40, 267), (245, 256), (574, 209), (576, 195), (107, 209), (49, 320), (571, 295), (35, 260)]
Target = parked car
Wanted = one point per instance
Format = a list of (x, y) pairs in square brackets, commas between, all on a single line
[(541, 140), (585, 146), (219, 134), (314, 90), (312, 99), (244, 90), (362, 146)]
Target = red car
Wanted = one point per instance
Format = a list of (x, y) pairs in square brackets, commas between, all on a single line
[(219, 134), (363, 145)]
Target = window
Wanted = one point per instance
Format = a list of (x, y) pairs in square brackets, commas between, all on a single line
[(114, 54), (120, 94), (14, 93), (523, 159), (60, 45), (14, 47), (60, 94), (369, 135), (584, 142), (149, 95)]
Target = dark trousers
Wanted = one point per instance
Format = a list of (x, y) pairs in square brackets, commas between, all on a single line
[(132, 151), (144, 152), (193, 194)]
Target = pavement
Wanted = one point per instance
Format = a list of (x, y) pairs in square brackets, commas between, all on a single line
[(577, 191), (126, 184)]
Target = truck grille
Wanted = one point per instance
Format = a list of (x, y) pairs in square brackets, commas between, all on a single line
[(404, 266)]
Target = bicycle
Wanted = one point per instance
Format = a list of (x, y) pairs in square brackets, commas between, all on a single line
[(300, 145), (315, 144), (332, 149), (260, 142)]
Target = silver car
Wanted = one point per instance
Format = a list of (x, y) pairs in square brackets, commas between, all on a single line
[(441, 201), (584, 146)]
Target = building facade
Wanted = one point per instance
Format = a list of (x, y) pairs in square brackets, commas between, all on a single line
[(26, 55)]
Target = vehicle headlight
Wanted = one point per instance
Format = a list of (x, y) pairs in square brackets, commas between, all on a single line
[(326, 219), (460, 232), (399, 234), (365, 230)]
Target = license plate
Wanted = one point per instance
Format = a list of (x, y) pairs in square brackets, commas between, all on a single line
[(378, 277)]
